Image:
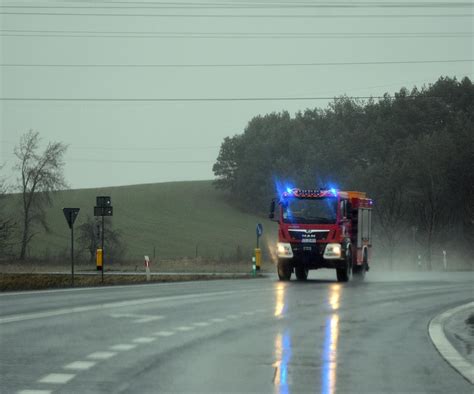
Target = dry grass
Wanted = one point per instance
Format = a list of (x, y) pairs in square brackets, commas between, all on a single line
[(36, 275), (24, 281)]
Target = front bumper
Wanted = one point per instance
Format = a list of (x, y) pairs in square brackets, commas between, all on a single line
[(311, 256)]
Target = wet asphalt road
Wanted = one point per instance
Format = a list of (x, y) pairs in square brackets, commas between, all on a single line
[(256, 335)]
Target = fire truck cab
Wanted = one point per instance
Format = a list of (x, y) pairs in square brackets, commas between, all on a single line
[(323, 228)]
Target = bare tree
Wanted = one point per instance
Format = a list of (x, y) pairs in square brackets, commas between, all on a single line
[(391, 214), (6, 222), (90, 237), (40, 175), (430, 157)]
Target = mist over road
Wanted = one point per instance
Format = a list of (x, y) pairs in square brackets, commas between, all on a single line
[(233, 336)]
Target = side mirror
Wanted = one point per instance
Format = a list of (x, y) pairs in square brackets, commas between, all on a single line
[(349, 210), (271, 215)]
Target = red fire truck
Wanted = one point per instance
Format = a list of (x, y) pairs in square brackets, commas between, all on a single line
[(325, 228)]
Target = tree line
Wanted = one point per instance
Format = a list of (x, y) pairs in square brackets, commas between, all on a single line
[(413, 153)]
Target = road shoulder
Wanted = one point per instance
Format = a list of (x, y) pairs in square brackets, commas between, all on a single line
[(439, 338)]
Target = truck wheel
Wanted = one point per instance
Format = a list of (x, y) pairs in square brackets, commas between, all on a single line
[(344, 274), (284, 269), (358, 271), (301, 273)]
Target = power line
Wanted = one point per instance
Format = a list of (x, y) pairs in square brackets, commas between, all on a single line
[(245, 65), (145, 161), (251, 16), (255, 5), (197, 35), (127, 148), (202, 99), (111, 148), (246, 33)]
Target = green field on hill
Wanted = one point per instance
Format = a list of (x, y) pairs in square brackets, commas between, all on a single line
[(173, 220)]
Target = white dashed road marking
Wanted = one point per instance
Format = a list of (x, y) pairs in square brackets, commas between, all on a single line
[(249, 313), (201, 324), (185, 328), (144, 340), (164, 333), (218, 320), (34, 392), (232, 316), (101, 355), (137, 318), (80, 365), (122, 347), (57, 378)]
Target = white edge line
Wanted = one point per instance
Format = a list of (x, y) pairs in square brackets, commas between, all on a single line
[(118, 304), (445, 348), (184, 283)]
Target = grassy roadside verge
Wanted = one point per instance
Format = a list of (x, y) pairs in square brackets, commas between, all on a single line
[(28, 281)]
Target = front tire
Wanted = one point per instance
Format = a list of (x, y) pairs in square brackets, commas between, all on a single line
[(284, 269), (301, 273), (344, 274)]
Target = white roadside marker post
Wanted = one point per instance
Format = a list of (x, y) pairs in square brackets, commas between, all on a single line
[(147, 268)]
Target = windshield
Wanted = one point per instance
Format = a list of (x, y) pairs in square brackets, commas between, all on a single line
[(314, 210)]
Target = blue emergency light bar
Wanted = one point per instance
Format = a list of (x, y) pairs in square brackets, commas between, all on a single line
[(309, 193)]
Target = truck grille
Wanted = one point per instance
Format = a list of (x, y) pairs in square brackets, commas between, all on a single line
[(308, 236)]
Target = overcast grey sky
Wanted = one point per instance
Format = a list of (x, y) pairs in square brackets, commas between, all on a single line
[(130, 142)]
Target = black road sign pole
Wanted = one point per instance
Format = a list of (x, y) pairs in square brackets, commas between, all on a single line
[(102, 245), (72, 254), (103, 208), (71, 214)]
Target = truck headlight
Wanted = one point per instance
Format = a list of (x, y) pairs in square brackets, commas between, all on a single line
[(332, 251), (284, 250)]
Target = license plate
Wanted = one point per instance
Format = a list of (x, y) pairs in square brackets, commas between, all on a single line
[(309, 240)]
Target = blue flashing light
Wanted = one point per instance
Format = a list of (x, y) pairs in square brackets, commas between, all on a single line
[(333, 191), (283, 187)]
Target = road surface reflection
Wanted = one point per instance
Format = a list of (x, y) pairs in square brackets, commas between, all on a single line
[(279, 300), (283, 355), (331, 335), (282, 345)]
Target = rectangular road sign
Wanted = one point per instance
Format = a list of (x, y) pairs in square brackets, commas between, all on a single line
[(103, 201), (71, 215), (103, 211)]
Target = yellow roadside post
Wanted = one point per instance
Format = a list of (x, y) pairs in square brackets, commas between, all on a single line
[(258, 252), (258, 258), (98, 259)]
